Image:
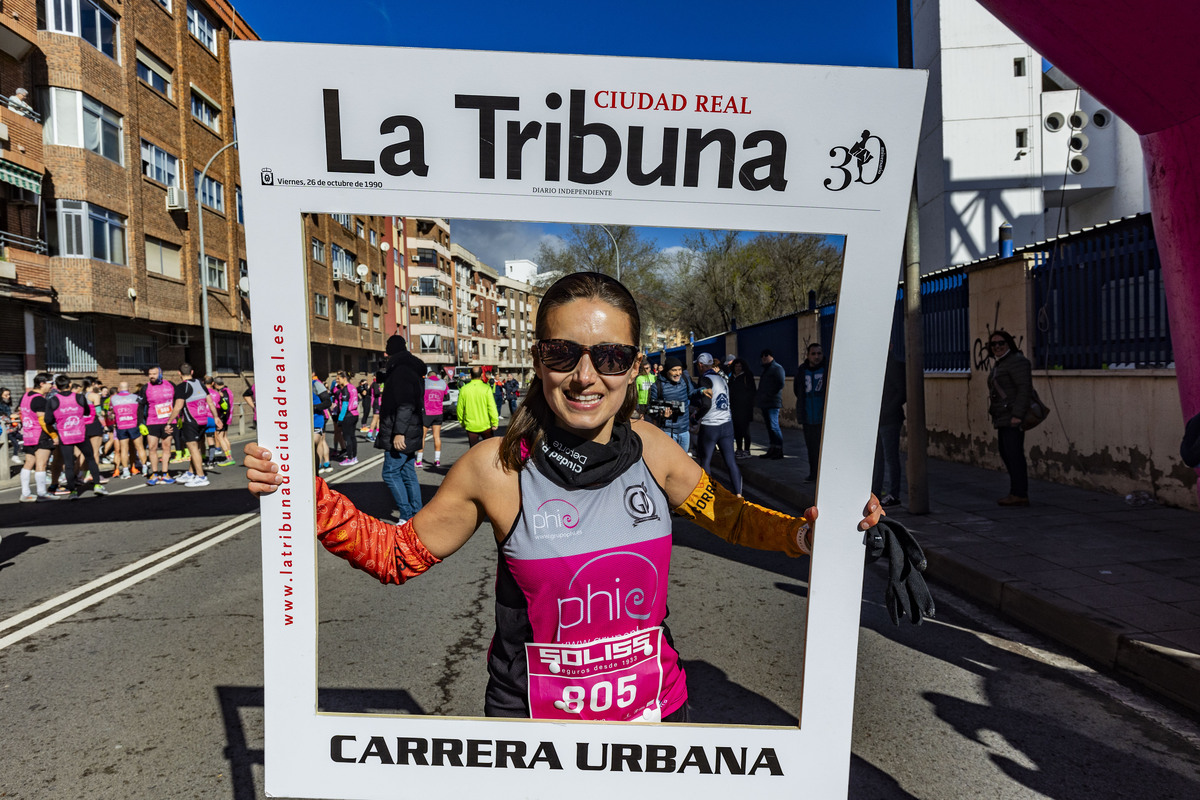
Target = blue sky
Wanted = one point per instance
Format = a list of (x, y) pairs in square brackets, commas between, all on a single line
[(796, 32)]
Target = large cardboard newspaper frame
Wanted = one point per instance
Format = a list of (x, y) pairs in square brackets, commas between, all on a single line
[(390, 131)]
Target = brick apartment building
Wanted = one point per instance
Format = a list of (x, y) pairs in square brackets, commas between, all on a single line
[(431, 291), (348, 278), (516, 307), (99, 221), (475, 306)]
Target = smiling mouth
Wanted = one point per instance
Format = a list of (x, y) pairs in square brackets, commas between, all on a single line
[(583, 399)]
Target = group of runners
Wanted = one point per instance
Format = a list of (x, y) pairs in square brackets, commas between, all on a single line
[(347, 405), (69, 428)]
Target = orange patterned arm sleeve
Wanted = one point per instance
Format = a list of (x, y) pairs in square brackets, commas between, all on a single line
[(391, 553), (720, 511)]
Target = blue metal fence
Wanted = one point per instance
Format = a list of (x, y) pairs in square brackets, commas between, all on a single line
[(945, 302), (713, 345), (777, 335), (1099, 301), (827, 312)]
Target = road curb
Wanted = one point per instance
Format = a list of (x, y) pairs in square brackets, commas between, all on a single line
[(1129, 652)]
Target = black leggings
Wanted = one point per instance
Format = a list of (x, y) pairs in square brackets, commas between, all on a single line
[(473, 438), (350, 435), (741, 429), (1012, 453), (812, 443), (707, 438), (66, 452)]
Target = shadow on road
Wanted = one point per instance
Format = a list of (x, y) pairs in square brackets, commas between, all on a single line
[(15, 544), (159, 503), (239, 702)]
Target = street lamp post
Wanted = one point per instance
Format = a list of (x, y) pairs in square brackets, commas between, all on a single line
[(203, 265), (615, 247)]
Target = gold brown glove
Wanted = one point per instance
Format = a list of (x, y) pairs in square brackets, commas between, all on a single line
[(391, 553), (736, 520)]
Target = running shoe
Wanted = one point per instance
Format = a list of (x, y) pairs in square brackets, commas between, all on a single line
[(100, 490), (326, 467), (75, 495), (152, 480), (179, 457), (46, 498), (28, 498), (185, 477), (166, 478), (419, 464), (124, 474), (18, 459), (61, 491), (197, 480), (229, 462), (437, 463), (348, 462)]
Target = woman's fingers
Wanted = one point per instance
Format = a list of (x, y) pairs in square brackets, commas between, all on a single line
[(261, 473), (871, 514)]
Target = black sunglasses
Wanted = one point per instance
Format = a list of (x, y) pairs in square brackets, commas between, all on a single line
[(561, 355), (998, 343)]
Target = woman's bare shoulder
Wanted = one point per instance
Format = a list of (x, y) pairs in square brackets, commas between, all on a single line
[(481, 466)]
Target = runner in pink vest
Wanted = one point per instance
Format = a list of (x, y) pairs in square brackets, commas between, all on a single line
[(159, 397), (435, 396), (129, 414), (65, 416), (192, 408), (35, 439)]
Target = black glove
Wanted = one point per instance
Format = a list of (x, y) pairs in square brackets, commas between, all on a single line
[(907, 594)]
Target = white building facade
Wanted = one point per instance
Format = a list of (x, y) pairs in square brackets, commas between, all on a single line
[(1003, 142)]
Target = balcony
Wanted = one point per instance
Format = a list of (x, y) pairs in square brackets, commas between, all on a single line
[(18, 32), (21, 141), (25, 262)]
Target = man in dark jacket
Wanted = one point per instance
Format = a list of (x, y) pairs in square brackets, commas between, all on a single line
[(887, 447), (400, 433), (810, 406), (770, 399)]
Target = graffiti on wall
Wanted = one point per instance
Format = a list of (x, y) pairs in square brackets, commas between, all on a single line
[(981, 354)]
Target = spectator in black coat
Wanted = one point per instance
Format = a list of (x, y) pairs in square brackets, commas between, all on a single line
[(400, 433), (742, 391)]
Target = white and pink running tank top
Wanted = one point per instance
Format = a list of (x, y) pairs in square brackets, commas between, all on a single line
[(581, 603), (196, 405), (125, 409), (435, 394)]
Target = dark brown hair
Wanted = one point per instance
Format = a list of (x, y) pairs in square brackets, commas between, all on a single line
[(533, 416)]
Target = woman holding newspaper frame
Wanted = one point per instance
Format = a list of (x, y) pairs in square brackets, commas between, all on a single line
[(576, 494)]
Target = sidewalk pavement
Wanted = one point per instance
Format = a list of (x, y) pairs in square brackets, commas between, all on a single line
[(1120, 585)]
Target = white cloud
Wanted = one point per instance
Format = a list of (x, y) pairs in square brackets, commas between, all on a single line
[(496, 242)]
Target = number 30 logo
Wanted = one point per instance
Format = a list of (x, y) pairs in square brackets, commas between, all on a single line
[(867, 149)]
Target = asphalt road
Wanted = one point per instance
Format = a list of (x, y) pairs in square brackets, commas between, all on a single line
[(149, 685)]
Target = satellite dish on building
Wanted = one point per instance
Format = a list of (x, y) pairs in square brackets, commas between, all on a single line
[(362, 270), (244, 285)]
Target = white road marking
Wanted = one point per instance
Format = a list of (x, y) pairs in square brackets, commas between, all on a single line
[(104, 587)]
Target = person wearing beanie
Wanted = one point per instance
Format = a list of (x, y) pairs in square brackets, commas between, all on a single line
[(673, 386)]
